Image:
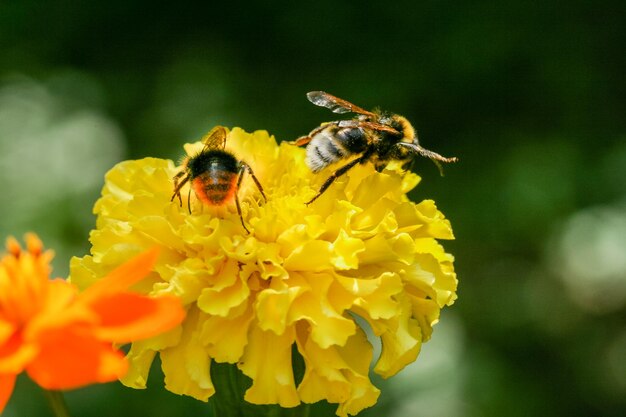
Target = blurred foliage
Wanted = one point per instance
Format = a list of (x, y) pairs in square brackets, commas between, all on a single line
[(531, 96)]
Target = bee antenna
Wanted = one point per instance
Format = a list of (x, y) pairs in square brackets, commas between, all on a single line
[(433, 156)]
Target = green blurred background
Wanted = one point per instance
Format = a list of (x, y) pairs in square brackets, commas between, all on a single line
[(531, 96)]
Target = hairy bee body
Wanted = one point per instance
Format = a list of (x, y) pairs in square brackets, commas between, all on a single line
[(334, 143), (372, 136), (215, 174)]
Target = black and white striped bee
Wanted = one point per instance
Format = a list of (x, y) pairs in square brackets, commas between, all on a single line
[(377, 136)]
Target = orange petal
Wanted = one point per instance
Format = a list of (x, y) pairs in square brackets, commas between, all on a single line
[(73, 357), (15, 354), (127, 317), (60, 294), (123, 276), (58, 310), (33, 244), (7, 329), (7, 382), (13, 246)]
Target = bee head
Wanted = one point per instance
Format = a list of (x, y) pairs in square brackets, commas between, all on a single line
[(402, 125)]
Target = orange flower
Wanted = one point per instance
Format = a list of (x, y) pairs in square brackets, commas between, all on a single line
[(64, 339)]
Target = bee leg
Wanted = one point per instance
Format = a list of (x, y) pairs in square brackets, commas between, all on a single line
[(179, 185), (408, 166), (188, 200), (304, 140), (301, 141), (336, 175), (240, 215), (242, 167), (256, 180)]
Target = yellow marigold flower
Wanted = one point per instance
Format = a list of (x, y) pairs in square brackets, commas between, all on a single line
[(301, 276)]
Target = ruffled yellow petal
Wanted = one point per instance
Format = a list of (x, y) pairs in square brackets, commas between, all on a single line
[(345, 251), (187, 365), (272, 308), (267, 360), (325, 310), (228, 290), (301, 259), (338, 374), (225, 338), (142, 354), (401, 338), (375, 297)]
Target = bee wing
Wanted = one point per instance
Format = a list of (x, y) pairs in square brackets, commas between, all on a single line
[(368, 125), (216, 138), (335, 104)]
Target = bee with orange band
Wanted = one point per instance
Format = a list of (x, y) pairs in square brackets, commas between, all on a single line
[(214, 173)]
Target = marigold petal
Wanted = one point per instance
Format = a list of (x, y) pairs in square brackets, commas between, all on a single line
[(225, 338), (187, 365), (380, 249), (272, 308), (186, 279), (300, 258), (373, 188), (267, 361), (376, 296), (270, 263), (7, 383), (154, 225), (401, 341), (72, 357), (142, 353), (230, 291), (126, 317), (436, 225), (323, 306), (345, 250), (337, 374), (139, 365), (430, 277), (408, 218), (377, 218), (426, 312), (242, 251), (340, 216)]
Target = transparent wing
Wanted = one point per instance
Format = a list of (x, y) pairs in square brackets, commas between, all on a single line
[(368, 125), (216, 138), (335, 104)]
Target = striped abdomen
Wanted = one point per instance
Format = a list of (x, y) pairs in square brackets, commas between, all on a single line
[(214, 175), (332, 144)]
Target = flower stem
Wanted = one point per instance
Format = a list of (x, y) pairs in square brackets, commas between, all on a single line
[(57, 403)]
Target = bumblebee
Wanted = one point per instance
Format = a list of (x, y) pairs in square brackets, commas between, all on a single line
[(214, 173), (372, 136)]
